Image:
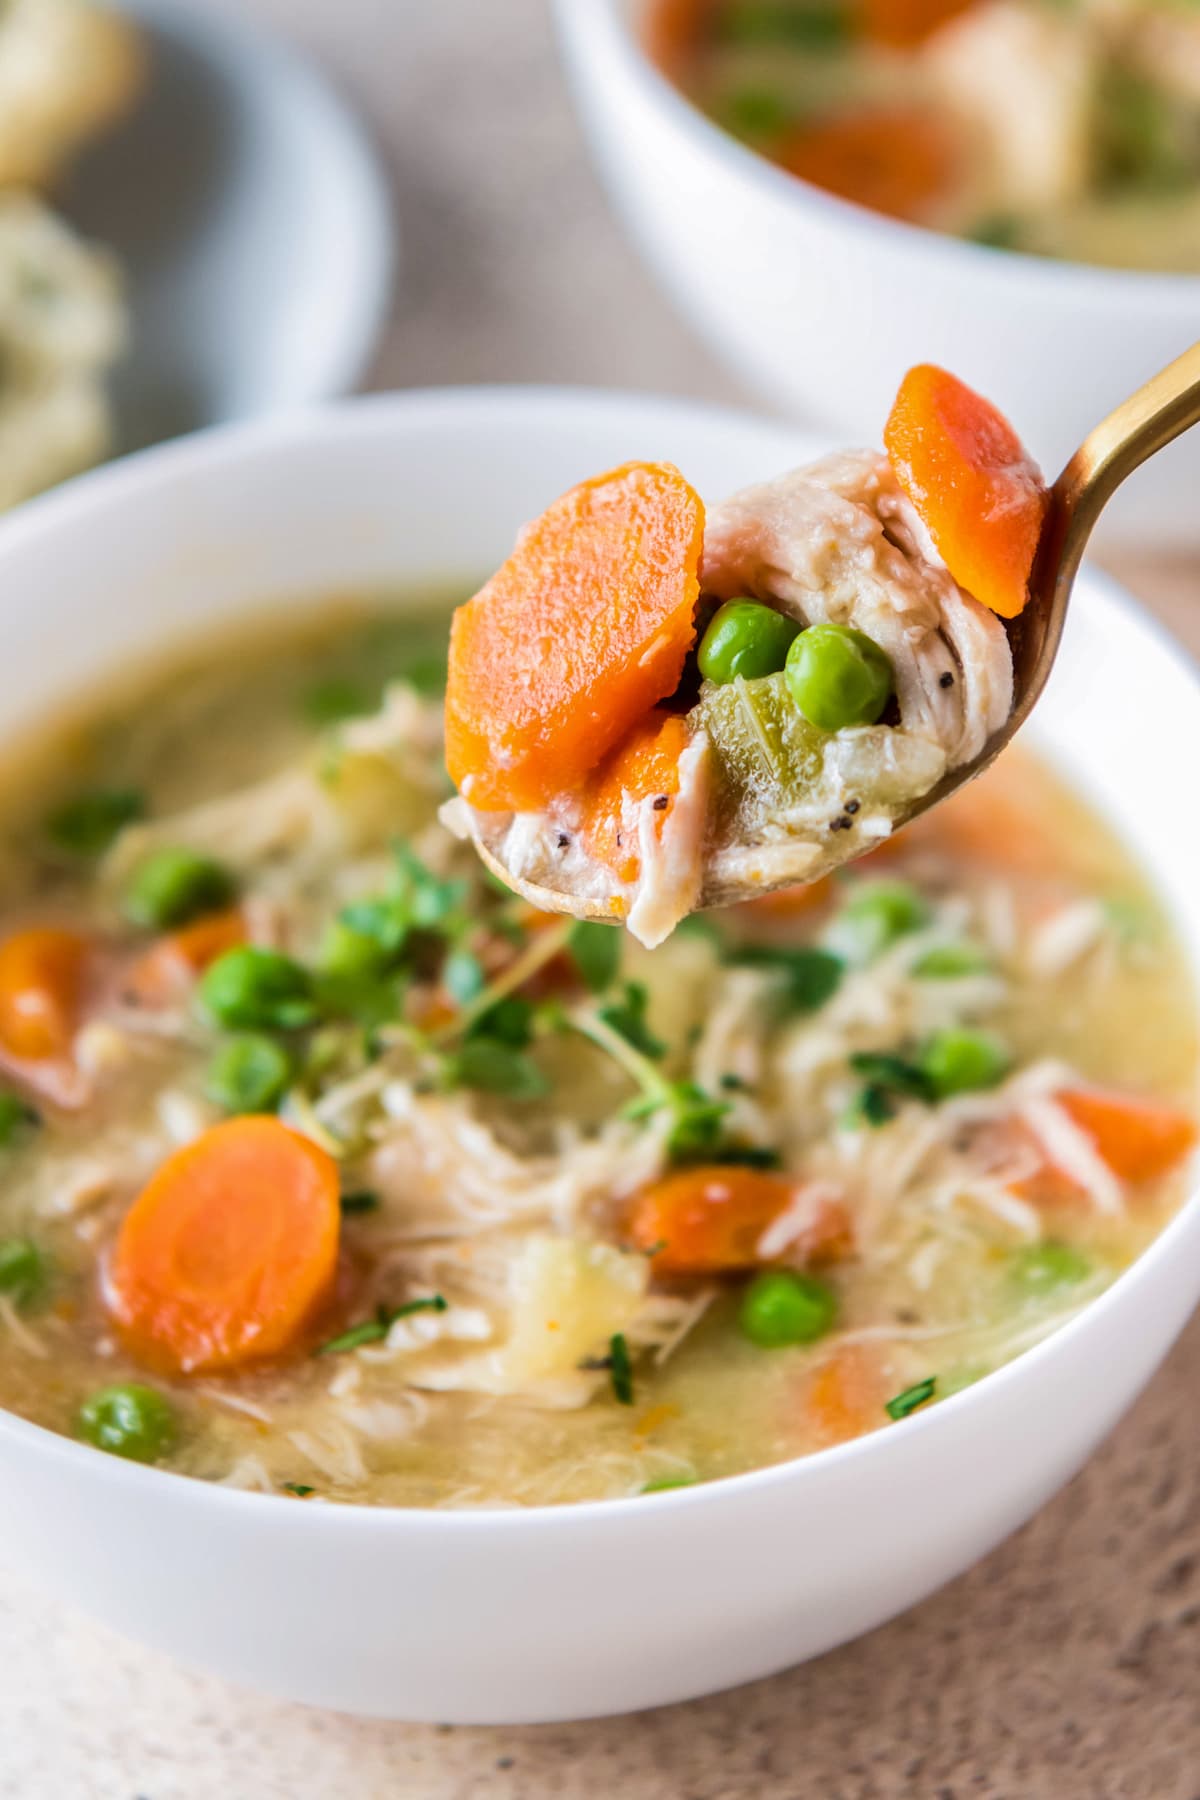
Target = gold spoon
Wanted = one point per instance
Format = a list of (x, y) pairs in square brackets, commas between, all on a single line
[(1149, 420)]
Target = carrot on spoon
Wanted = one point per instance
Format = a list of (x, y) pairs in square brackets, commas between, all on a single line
[(229, 1250), (584, 628), (980, 497), (644, 766)]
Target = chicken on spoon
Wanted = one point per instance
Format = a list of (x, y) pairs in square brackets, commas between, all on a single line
[(652, 709)]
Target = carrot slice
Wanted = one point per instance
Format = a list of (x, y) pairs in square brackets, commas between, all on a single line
[(845, 1396), (706, 1220), (42, 973), (584, 628), (894, 161), (1138, 1139), (172, 964), (673, 30), (229, 1249), (904, 23), (644, 766), (981, 498)]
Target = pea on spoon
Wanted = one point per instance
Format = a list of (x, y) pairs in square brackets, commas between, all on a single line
[(840, 679)]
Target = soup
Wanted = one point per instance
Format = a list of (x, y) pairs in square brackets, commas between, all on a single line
[(1065, 130), (333, 1171)]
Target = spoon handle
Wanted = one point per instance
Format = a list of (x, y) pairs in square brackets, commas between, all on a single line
[(1166, 406)]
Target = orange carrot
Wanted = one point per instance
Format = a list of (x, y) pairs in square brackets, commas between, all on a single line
[(42, 973), (845, 1396), (1138, 1139), (172, 964), (674, 29), (584, 628), (644, 764), (893, 161), (707, 1220), (228, 1251), (904, 23), (981, 498)]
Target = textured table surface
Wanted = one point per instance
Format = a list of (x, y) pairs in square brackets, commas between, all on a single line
[(1067, 1665)]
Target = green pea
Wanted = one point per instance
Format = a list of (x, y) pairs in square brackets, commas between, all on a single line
[(781, 1308), (347, 951), (250, 1074), (22, 1270), (87, 825), (1041, 1268), (172, 886), (959, 1062), (128, 1420), (250, 989), (746, 640), (838, 676), (950, 962), (875, 916)]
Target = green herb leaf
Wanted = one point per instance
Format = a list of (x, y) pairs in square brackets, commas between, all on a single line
[(818, 25), (463, 976), (597, 953), (299, 1488), (620, 1369), (696, 1122), (661, 1484), (22, 1270), (911, 1398), (510, 1021), (495, 1068), (811, 976), (361, 1201), (951, 962), (747, 1156), (628, 1016), (894, 1074), (373, 1331), (88, 824), (15, 1118), (338, 697), (873, 1106)]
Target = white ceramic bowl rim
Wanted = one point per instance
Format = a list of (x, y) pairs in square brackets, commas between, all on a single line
[(69, 507), (1015, 268)]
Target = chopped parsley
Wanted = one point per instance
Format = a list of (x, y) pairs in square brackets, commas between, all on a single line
[(299, 1488), (15, 1117), (88, 824), (620, 1369), (596, 950), (809, 976), (628, 1016), (911, 1398), (361, 1201), (493, 1067), (373, 1331)]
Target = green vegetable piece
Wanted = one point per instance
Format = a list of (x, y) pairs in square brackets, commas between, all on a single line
[(1144, 133), (509, 1021), (463, 977), (347, 952), (895, 1074), (15, 1117), (811, 976), (250, 1074), (373, 1331), (361, 1201), (820, 25), (747, 1156), (911, 1398), (780, 1308), (88, 824), (745, 639), (874, 1106), (838, 676), (996, 231), (494, 1067), (252, 989), (628, 1016), (1041, 1268), (951, 962), (757, 113), (172, 886), (128, 1420), (301, 1489), (697, 1122), (960, 1061), (338, 697), (597, 952), (22, 1270), (875, 916), (620, 1369), (662, 1484)]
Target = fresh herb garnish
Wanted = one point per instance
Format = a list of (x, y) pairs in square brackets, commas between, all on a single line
[(299, 1488), (872, 1106), (509, 1021), (894, 1074), (809, 975), (463, 977), (335, 699), (596, 950), (628, 1016), (372, 1331), (361, 1201), (620, 1369), (747, 1156), (15, 1117), (87, 825), (494, 1067), (911, 1398)]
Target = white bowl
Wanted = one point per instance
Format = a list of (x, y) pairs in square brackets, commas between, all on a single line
[(546, 1613), (254, 223), (821, 305)]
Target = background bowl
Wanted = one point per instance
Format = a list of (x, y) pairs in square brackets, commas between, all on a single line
[(560, 1612), (253, 221), (821, 305)]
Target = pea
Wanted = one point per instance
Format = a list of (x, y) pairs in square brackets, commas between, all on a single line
[(22, 1270), (746, 640), (838, 676), (347, 951), (249, 1074), (129, 1420), (959, 1062), (875, 916), (250, 989), (950, 962), (781, 1308), (87, 824), (172, 886), (1041, 1268)]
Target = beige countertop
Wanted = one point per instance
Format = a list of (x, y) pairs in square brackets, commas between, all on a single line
[(1067, 1665)]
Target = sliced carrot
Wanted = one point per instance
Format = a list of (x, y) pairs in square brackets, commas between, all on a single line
[(904, 23), (172, 964), (229, 1249), (845, 1396), (981, 497), (644, 766), (894, 161), (706, 1220), (42, 973), (1138, 1139), (674, 29), (584, 628)]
